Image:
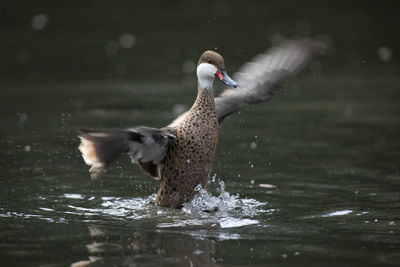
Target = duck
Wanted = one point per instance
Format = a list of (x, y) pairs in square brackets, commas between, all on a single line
[(180, 155)]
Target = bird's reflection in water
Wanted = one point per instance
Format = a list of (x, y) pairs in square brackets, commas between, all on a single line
[(147, 248)]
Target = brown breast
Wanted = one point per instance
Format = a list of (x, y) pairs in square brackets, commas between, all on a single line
[(189, 158)]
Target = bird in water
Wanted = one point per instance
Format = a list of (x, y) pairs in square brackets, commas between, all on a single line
[(181, 154)]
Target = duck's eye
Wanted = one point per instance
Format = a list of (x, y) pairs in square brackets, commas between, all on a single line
[(209, 60)]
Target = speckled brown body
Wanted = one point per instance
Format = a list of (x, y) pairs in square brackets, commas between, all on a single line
[(189, 157)]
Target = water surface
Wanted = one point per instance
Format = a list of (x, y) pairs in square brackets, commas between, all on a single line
[(309, 178)]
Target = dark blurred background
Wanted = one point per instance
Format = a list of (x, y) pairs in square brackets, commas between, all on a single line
[(162, 40)]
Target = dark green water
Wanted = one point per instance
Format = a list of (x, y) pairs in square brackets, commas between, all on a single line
[(329, 140), (332, 150)]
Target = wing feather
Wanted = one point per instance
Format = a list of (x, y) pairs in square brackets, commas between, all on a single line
[(259, 78), (145, 146)]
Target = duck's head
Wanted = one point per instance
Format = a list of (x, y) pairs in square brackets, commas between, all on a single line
[(211, 65)]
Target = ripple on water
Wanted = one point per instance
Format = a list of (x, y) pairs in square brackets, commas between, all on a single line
[(337, 213)]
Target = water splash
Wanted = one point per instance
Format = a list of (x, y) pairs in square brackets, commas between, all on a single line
[(205, 210), (204, 201), (224, 210), (220, 211)]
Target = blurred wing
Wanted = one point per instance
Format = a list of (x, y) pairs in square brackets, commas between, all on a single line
[(259, 78), (145, 146)]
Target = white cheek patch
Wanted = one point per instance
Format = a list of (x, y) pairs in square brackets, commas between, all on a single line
[(205, 75)]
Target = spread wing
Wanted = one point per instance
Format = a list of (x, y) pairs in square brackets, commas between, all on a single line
[(145, 146), (259, 78), (148, 146)]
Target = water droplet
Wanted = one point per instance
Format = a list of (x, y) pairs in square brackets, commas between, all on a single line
[(198, 188), (188, 161), (27, 148), (253, 145), (384, 53), (127, 40), (39, 21)]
